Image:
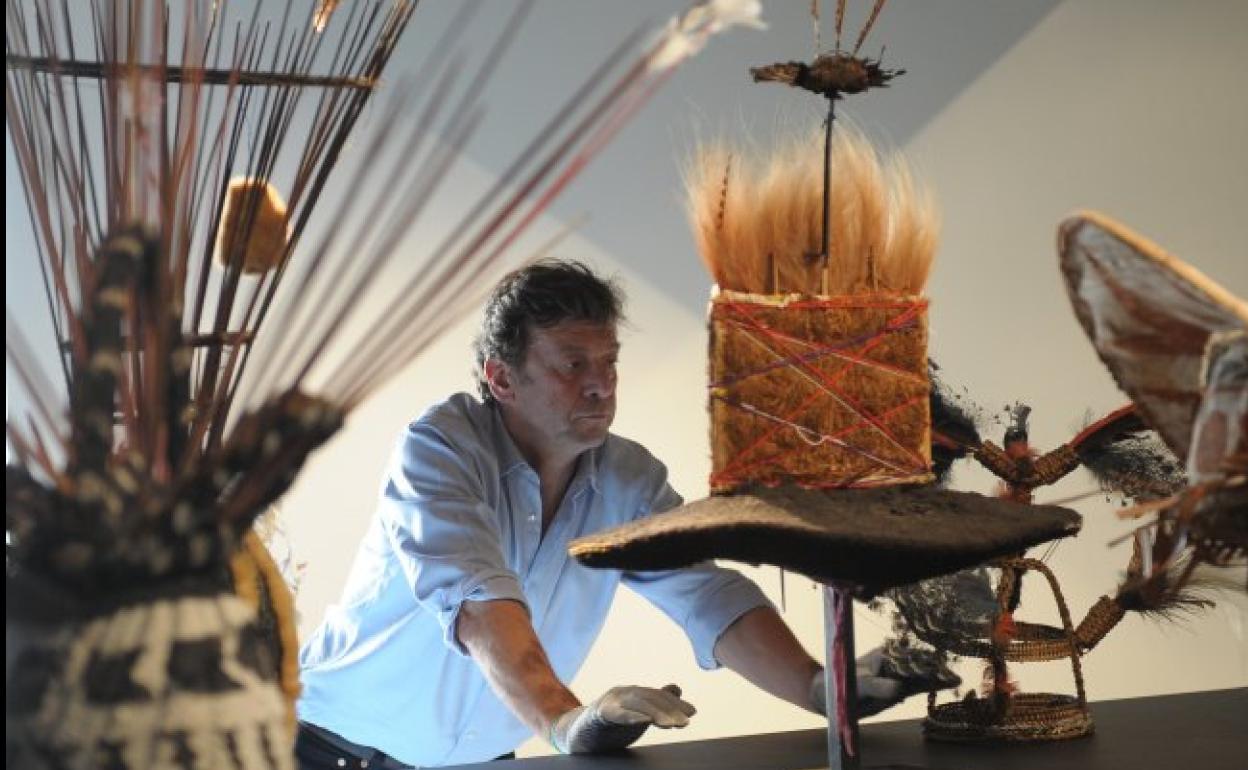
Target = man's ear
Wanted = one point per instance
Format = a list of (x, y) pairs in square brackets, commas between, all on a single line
[(499, 377)]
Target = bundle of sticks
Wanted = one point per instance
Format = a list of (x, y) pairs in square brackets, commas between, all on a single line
[(220, 294)]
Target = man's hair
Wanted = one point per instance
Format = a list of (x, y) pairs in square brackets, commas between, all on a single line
[(540, 295)]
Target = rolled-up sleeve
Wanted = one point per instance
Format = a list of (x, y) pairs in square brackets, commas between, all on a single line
[(445, 536), (703, 599)]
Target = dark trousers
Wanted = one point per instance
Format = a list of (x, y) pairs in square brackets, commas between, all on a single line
[(319, 749)]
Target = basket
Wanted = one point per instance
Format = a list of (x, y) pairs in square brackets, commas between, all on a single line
[(1024, 716)]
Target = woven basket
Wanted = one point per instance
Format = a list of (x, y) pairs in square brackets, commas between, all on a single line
[(1028, 716), (1032, 643)]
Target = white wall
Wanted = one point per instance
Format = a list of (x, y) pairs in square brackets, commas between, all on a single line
[(1137, 109), (1085, 112)]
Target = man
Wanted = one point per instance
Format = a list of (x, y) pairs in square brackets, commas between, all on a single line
[(463, 615)]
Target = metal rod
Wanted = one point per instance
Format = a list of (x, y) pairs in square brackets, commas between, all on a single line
[(840, 679), (827, 196), (178, 74)]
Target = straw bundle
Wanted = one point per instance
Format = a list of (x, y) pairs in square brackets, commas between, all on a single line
[(759, 226)]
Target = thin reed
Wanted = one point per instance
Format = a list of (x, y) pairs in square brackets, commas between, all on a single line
[(208, 172)]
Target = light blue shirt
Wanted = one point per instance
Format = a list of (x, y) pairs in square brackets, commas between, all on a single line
[(460, 519)]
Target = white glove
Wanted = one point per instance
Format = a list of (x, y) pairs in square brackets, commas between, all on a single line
[(618, 718), (876, 689), (886, 677)]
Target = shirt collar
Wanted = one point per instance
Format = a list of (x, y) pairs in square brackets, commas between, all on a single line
[(586, 471), (508, 454), (510, 459)]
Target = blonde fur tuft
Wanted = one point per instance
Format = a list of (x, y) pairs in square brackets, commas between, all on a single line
[(759, 226)]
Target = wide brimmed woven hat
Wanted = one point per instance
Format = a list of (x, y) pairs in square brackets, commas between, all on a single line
[(871, 538)]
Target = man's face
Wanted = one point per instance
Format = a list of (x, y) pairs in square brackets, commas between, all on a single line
[(565, 389)]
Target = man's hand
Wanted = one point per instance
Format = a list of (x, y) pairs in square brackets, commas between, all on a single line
[(888, 675), (618, 718)]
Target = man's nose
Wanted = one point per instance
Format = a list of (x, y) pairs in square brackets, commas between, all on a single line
[(599, 382)]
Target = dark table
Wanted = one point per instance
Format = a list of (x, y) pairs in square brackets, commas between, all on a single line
[(1193, 731)]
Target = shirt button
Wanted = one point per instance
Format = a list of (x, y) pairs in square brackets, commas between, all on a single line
[(471, 735), (532, 518)]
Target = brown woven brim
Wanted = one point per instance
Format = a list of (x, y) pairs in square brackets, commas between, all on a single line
[(1149, 315), (872, 538)]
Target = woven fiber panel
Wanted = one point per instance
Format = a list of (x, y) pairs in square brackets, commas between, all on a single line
[(818, 391)]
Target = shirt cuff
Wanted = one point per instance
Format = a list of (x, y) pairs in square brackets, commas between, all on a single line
[(481, 588), (716, 610)]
